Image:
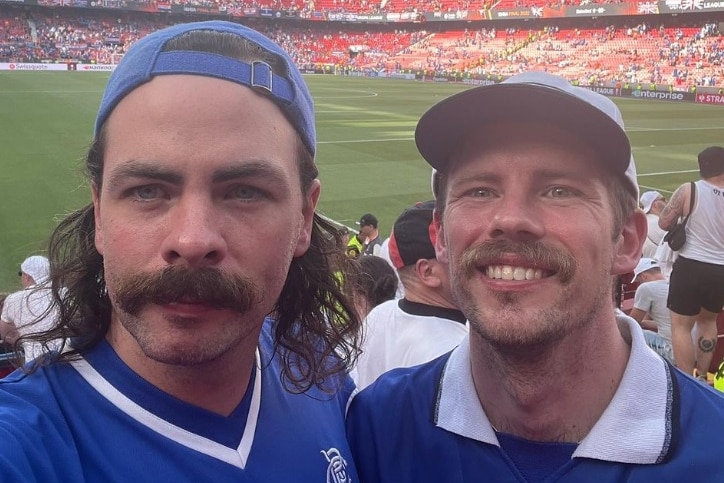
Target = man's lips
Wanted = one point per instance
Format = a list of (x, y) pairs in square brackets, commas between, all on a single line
[(187, 308)]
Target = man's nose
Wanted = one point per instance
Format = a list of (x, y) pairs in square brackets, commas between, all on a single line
[(195, 235)]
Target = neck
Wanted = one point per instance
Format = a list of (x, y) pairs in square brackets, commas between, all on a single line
[(217, 385), (428, 297), (716, 180), (551, 394)]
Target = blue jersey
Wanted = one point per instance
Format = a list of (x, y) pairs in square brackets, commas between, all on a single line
[(426, 424), (95, 420)]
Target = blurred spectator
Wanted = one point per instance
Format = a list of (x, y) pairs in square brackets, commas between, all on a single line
[(425, 323), (649, 308), (376, 282), (355, 246), (369, 234), (652, 202), (30, 310), (696, 290), (385, 253), (7, 354)]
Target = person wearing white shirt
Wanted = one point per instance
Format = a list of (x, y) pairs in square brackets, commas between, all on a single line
[(652, 202), (30, 310), (425, 323), (650, 309), (696, 292)]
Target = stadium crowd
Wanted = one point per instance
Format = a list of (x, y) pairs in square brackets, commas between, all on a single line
[(680, 55)]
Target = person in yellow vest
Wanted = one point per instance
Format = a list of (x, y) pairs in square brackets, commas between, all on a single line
[(355, 246)]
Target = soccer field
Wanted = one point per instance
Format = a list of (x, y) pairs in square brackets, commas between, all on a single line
[(366, 154)]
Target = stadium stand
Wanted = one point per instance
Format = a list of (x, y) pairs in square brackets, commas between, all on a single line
[(676, 53)]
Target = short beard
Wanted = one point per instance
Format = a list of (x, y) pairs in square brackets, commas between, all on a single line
[(552, 324)]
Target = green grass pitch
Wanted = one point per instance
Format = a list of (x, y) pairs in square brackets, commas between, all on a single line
[(366, 154)]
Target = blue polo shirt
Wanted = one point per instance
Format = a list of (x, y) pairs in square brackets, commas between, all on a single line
[(426, 424)]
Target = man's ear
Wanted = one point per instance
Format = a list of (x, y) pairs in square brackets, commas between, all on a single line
[(440, 245), (310, 204), (627, 249), (426, 272), (96, 195)]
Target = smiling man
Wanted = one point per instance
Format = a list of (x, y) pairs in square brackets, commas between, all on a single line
[(536, 214), (195, 291)]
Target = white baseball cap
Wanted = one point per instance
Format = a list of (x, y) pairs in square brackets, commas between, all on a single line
[(644, 265), (647, 199), (530, 96), (37, 267)]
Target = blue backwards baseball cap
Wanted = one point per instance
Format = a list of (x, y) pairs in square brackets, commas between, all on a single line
[(146, 59)]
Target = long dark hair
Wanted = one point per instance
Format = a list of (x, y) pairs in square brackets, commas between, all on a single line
[(315, 351)]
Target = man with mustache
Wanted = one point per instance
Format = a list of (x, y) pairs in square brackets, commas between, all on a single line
[(195, 292), (536, 215)]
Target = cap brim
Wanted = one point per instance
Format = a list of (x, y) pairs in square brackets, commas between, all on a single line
[(442, 128)]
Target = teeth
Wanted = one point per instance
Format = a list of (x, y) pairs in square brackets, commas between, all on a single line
[(519, 273), (508, 272)]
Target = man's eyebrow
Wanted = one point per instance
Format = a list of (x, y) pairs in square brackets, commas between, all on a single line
[(253, 169), (143, 169), (485, 177)]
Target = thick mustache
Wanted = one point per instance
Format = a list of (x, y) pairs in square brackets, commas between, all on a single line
[(534, 254), (208, 286)]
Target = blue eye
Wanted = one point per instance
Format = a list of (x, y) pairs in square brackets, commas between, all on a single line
[(480, 193), (147, 193), (560, 192), (246, 193)]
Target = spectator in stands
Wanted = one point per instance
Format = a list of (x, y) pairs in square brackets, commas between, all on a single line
[(385, 253), (649, 308), (370, 235), (355, 246), (425, 323), (376, 283), (8, 356), (203, 223), (696, 291), (30, 310), (652, 203), (536, 216), (343, 233)]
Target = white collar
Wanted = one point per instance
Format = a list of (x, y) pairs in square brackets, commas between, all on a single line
[(234, 456), (635, 427)]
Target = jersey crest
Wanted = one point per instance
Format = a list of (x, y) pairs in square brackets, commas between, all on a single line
[(337, 468)]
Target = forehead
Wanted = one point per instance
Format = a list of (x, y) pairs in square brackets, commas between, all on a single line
[(528, 145), (199, 119)]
